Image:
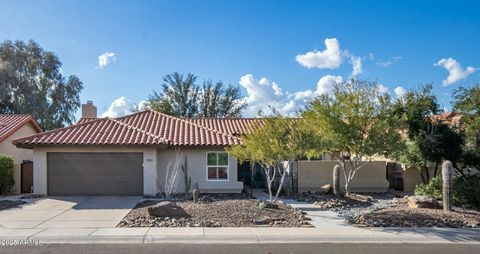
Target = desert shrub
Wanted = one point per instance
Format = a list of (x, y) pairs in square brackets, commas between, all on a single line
[(6, 173), (466, 191), (432, 189)]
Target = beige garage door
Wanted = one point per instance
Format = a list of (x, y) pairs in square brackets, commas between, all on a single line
[(95, 173)]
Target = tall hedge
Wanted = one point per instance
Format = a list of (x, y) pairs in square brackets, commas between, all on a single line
[(6, 173)]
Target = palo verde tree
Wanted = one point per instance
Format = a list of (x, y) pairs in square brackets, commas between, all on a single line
[(274, 144), (353, 124), (32, 82)]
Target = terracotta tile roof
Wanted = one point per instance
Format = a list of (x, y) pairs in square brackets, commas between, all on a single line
[(143, 128), (232, 126), (9, 124), (85, 120), (451, 119)]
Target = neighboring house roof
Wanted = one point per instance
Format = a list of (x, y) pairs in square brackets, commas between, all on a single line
[(9, 124), (451, 119), (144, 128)]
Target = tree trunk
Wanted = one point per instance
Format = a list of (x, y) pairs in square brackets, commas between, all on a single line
[(436, 169), (459, 170), (282, 179)]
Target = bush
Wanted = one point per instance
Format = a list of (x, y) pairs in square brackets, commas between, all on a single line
[(6, 173), (466, 191), (432, 189)]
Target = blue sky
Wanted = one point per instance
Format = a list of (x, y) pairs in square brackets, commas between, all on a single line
[(275, 50)]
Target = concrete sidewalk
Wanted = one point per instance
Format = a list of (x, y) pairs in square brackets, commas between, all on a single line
[(318, 218), (243, 235)]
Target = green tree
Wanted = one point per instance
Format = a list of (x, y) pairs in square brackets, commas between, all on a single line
[(467, 102), (353, 125), (32, 82), (429, 140), (218, 101), (274, 145), (182, 96), (179, 96), (415, 108)]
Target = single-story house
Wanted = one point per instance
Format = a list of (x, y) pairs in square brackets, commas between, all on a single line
[(129, 155), (13, 127)]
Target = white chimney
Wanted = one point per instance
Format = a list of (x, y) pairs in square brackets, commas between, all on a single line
[(89, 110)]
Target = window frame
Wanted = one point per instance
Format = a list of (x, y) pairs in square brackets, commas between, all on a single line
[(217, 166)]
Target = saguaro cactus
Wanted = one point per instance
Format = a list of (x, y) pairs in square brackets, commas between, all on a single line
[(336, 180), (447, 172), (187, 179)]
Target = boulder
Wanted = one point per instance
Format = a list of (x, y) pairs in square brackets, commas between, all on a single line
[(360, 197), (327, 188), (166, 209), (423, 202), (267, 204)]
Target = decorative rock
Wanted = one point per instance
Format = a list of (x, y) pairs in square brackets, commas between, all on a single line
[(423, 202), (164, 209), (267, 205), (325, 189)]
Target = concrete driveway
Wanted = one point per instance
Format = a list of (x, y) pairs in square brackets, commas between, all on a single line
[(69, 212)]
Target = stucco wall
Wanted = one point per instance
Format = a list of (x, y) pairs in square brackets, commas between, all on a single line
[(412, 178), (19, 155), (40, 165), (314, 174), (197, 170)]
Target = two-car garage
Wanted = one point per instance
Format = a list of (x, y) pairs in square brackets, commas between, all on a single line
[(95, 173)]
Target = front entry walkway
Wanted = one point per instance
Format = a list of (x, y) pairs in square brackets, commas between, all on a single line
[(69, 212), (319, 218)]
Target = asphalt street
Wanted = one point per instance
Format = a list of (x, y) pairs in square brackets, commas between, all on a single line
[(332, 248)]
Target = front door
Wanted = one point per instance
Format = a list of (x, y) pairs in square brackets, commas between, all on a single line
[(27, 177)]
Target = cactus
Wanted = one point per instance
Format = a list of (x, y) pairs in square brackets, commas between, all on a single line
[(447, 172), (195, 195), (336, 180), (188, 180)]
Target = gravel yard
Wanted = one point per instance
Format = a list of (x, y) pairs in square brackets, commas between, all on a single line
[(404, 216), (386, 210), (216, 211), (7, 204)]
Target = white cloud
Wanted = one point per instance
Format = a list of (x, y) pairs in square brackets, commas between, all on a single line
[(400, 91), (382, 88), (330, 58), (123, 106), (142, 105), (262, 93), (326, 84), (387, 63), (356, 64), (105, 59), (455, 70)]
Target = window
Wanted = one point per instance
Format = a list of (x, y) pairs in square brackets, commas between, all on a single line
[(217, 166)]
